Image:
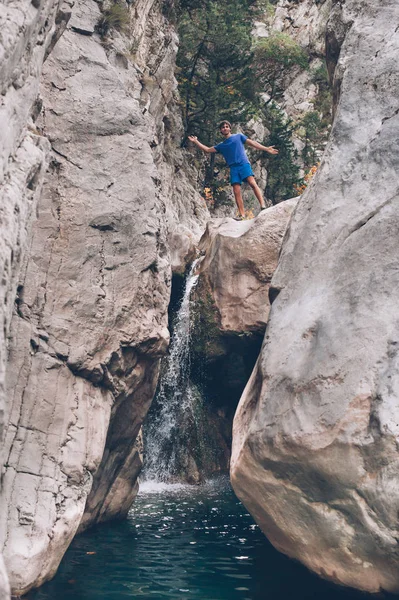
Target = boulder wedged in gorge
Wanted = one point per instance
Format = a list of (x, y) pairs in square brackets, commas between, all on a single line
[(315, 441), (239, 261), (90, 322)]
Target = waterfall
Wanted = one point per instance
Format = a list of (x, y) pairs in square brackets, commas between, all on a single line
[(176, 404)]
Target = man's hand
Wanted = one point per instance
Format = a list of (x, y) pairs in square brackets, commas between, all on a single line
[(258, 146), (193, 138), (272, 150)]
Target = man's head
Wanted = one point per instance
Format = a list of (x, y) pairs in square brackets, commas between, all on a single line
[(225, 128)]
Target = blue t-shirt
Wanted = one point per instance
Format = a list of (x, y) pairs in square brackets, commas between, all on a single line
[(233, 150)]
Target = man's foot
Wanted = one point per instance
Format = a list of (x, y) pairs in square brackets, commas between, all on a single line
[(263, 207), (239, 218)]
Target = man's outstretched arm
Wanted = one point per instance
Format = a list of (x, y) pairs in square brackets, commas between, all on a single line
[(269, 149), (194, 139)]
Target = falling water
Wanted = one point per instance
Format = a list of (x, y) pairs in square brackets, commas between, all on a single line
[(176, 400)]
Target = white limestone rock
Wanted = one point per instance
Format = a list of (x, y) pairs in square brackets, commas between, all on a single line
[(238, 264), (305, 22), (28, 30), (315, 449)]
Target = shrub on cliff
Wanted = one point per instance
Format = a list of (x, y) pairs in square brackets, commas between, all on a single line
[(116, 16)]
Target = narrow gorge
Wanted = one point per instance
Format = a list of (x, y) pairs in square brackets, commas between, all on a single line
[(128, 289)]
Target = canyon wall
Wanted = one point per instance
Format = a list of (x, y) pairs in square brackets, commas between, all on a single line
[(304, 22), (90, 318), (28, 31), (315, 441)]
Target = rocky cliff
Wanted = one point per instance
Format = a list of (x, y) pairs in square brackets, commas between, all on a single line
[(90, 322), (305, 22), (315, 455), (28, 31)]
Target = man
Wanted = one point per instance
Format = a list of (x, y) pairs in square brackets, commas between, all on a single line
[(233, 151)]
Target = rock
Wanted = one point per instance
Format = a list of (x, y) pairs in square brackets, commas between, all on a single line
[(304, 89), (315, 456), (305, 21), (91, 319), (239, 261), (27, 31), (4, 584)]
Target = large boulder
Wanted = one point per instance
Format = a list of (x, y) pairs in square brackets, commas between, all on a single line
[(315, 449), (235, 273)]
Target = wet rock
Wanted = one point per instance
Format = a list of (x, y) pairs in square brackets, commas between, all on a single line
[(315, 455)]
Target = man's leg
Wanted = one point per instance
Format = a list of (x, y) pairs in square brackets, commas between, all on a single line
[(238, 198), (256, 189)]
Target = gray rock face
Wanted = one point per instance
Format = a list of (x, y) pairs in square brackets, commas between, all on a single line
[(315, 450), (27, 31), (305, 22), (240, 259), (26, 34), (185, 211), (91, 315)]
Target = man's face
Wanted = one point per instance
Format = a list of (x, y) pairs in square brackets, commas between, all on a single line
[(225, 130)]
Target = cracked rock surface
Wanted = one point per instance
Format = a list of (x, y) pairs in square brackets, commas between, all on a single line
[(305, 22), (28, 30), (90, 322), (239, 261), (315, 440)]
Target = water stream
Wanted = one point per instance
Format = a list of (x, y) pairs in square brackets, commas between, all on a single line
[(174, 424)]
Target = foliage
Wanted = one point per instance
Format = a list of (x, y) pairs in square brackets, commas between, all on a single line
[(222, 74), (214, 62), (285, 173), (117, 17), (274, 58), (311, 124), (314, 126), (307, 179), (323, 101)]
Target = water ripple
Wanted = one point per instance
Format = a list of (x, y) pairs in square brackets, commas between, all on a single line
[(183, 543)]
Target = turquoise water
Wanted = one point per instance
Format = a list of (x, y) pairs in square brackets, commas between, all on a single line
[(183, 543)]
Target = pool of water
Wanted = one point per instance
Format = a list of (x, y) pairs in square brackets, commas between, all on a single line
[(183, 543)]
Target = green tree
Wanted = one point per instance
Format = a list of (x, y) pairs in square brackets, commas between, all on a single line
[(311, 124), (223, 74), (284, 173), (214, 63), (314, 127)]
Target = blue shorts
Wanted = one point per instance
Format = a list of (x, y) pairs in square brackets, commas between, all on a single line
[(239, 173)]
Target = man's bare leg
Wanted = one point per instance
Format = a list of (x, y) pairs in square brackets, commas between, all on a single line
[(238, 198), (256, 189)]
